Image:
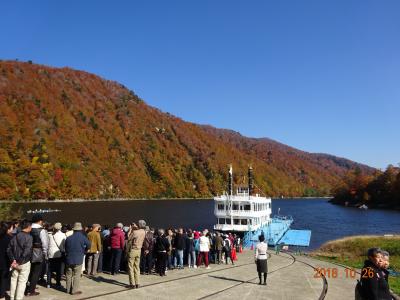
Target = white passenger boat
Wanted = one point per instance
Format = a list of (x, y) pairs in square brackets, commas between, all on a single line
[(242, 211)]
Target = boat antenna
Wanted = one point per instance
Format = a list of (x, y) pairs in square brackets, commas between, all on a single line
[(230, 181)]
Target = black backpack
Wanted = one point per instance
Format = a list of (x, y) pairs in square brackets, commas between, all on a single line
[(37, 252), (227, 246), (358, 291)]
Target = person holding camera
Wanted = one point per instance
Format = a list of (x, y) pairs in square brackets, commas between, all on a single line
[(134, 245)]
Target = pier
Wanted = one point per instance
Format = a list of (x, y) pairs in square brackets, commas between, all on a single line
[(289, 277)]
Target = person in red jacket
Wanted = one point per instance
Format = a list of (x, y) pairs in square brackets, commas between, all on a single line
[(117, 243)]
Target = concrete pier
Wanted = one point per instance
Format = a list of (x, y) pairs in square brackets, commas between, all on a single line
[(289, 277)]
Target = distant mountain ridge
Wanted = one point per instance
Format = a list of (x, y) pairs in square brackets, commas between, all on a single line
[(68, 133)]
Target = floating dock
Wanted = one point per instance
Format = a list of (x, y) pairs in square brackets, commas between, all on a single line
[(294, 237), (278, 232), (273, 232)]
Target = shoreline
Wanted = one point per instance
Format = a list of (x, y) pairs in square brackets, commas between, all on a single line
[(357, 205), (77, 200)]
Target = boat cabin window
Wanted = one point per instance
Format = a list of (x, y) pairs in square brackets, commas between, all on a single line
[(243, 222), (220, 207), (247, 207), (243, 190), (236, 221), (235, 207), (221, 221)]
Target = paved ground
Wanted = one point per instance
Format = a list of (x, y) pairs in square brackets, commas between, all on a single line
[(289, 277)]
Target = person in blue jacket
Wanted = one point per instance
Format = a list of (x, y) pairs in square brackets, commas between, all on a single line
[(76, 246)]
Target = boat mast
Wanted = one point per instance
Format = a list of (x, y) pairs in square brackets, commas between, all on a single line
[(251, 185), (230, 190)]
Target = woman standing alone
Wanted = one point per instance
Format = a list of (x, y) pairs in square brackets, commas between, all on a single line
[(261, 259)]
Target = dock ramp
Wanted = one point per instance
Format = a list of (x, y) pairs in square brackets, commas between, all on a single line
[(294, 237)]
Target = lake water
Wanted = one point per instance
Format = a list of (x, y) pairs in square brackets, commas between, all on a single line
[(327, 221)]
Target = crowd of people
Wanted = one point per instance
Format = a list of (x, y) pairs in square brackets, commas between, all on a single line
[(34, 252), (373, 283)]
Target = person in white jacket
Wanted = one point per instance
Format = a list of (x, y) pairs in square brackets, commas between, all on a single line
[(56, 254), (260, 258), (204, 243)]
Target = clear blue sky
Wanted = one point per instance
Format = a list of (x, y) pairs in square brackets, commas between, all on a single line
[(322, 76)]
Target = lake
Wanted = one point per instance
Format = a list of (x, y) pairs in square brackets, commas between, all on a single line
[(327, 221)]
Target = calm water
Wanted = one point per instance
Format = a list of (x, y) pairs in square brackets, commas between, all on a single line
[(327, 221)]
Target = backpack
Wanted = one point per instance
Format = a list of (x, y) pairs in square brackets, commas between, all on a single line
[(197, 245), (358, 291), (37, 251), (148, 242), (227, 246)]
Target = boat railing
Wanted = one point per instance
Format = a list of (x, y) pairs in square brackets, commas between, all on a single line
[(279, 217)]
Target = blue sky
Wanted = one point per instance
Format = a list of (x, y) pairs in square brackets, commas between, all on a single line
[(322, 76)]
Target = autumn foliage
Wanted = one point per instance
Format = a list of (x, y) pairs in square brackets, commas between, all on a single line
[(379, 190), (67, 133)]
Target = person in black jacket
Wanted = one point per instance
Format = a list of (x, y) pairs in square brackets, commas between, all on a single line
[(6, 229), (189, 247), (179, 246), (373, 283), (161, 247), (40, 240), (76, 246), (20, 252)]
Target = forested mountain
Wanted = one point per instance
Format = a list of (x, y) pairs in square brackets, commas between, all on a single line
[(379, 190), (67, 133)]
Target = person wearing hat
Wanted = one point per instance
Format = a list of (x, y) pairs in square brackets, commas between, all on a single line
[(76, 246), (134, 246), (94, 251), (56, 253)]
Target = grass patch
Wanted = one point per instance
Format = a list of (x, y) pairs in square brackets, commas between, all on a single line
[(351, 251)]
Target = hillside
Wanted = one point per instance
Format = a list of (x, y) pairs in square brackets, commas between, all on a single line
[(380, 190), (67, 133)]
